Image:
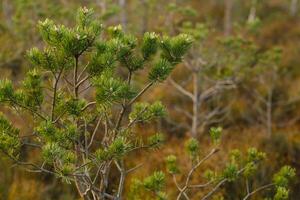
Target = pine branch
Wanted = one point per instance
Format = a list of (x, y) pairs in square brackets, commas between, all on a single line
[(141, 92), (208, 195), (55, 93), (94, 132), (181, 89), (29, 109), (186, 186), (258, 190)]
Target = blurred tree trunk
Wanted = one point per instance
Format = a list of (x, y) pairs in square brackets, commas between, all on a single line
[(6, 11), (228, 17), (145, 19), (293, 7), (123, 14), (269, 112), (196, 102), (102, 5), (169, 21), (252, 13)]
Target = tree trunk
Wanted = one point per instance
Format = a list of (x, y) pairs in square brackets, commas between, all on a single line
[(102, 5), (7, 10), (269, 113), (252, 13), (145, 18), (194, 131), (228, 17), (123, 16), (293, 7), (82, 189)]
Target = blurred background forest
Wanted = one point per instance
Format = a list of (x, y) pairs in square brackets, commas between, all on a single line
[(243, 70)]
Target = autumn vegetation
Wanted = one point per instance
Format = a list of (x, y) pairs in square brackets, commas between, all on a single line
[(148, 100)]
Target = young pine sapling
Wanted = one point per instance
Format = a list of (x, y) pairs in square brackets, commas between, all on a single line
[(84, 105)]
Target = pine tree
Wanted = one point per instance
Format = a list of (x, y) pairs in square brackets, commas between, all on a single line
[(84, 128), (216, 67)]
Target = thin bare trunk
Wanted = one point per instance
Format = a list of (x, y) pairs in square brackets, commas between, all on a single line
[(252, 13), (105, 177), (145, 15), (269, 113), (80, 181), (293, 7), (102, 5), (194, 130), (7, 11), (228, 17), (123, 16), (122, 179)]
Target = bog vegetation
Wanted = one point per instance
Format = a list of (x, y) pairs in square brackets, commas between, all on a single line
[(109, 111)]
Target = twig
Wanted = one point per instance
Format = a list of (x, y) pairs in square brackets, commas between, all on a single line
[(181, 89), (141, 92), (55, 93), (258, 190), (87, 105), (94, 133), (208, 195), (186, 186)]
